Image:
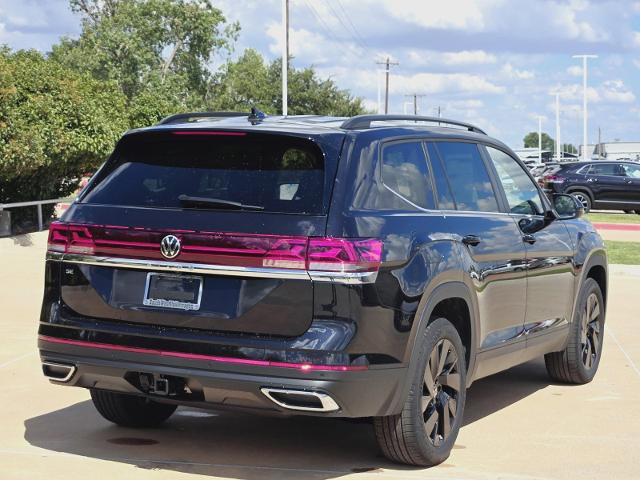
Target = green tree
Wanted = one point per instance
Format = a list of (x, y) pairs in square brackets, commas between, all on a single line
[(531, 141), (143, 44), (251, 81), (569, 148), (55, 125)]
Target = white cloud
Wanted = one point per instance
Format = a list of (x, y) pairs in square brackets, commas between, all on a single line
[(453, 14), (468, 57), (510, 71), (431, 83), (574, 71), (615, 91)]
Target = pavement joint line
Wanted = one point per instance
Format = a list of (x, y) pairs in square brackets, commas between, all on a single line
[(16, 359), (624, 352), (138, 461)]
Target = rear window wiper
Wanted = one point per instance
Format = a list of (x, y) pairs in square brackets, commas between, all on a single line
[(213, 203)]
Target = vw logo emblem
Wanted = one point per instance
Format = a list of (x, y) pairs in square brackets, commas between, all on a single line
[(170, 246)]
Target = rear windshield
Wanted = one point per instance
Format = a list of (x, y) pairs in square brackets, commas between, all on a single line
[(258, 172)]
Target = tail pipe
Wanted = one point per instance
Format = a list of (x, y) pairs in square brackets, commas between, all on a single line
[(58, 372), (302, 400)]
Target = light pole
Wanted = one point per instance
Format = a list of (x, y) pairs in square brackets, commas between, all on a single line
[(558, 144), (539, 139), (285, 57), (584, 102)]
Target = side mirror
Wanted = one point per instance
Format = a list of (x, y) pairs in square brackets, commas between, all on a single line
[(567, 206)]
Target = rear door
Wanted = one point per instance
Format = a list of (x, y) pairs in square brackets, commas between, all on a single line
[(202, 230), (607, 182), (493, 252)]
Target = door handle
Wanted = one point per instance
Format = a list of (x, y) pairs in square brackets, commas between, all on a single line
[(472, 240), (530, 239)]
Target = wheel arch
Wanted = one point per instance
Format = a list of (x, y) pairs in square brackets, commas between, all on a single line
[(447, 298)]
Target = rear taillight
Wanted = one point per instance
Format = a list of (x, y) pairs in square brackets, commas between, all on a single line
[(325, 254), (344, 254), (553, 179)]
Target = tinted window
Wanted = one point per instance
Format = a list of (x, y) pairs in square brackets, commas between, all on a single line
[(522, 194), (269, 172), (445, 199), (405, 172), (632, 171), (604, 169), (468, 177)]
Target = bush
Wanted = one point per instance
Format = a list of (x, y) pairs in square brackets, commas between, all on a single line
[(55, 125)]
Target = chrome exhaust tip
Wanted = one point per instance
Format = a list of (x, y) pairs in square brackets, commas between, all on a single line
[(58, 372), (302, 400)]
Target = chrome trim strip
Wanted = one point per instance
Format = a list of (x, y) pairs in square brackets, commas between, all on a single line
[(328, 403), (66, 378), (349, 278), (179, 267)]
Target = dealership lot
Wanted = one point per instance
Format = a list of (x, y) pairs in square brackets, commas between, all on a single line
[(517, 423)]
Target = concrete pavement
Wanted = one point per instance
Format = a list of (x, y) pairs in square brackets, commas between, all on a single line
[(517, 424)]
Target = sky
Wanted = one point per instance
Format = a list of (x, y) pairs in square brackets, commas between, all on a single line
[(495, 63)]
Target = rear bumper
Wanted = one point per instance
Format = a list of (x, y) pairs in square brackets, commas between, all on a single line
[(375, 391)]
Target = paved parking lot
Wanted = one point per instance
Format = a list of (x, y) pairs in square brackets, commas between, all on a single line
[(517, 424)]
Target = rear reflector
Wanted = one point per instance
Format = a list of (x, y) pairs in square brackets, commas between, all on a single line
[(325, 254), (304, 367)]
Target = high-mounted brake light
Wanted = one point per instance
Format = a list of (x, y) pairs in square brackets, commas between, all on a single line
[(323, 254), (208, 132)]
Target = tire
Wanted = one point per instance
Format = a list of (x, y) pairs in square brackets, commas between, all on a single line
[(584, 199), (578, 363), (417, 435), (130, 410), (628, 211)]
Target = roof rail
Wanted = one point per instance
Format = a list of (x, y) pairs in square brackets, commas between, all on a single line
[(184, 117), (364, 121)]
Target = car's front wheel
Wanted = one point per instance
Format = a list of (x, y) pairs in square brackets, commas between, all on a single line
[(425, 431), (579, 361), (130, 410)]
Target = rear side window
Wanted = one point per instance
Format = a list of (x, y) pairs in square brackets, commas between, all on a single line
[(258, 172), (468, 177), (445, 199), (406, 174), (604, 169)]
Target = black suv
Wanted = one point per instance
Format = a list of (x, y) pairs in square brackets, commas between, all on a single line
[(365, 267), (598, 184)]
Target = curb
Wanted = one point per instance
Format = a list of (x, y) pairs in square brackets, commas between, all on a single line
[(628, 227)]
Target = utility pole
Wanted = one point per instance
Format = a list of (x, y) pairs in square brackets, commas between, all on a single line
[(539, 139), (584, 102), (415, 101), (285, 57), (388, 63)]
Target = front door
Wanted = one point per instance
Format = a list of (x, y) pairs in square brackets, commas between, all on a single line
[(549, 250)]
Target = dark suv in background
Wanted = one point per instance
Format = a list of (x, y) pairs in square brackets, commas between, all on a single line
[(365, 267), (598, 184)]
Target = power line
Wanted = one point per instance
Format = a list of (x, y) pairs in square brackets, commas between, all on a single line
[(415, 97), (355, 30), (346, 26)]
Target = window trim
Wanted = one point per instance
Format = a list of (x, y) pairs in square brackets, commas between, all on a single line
[(420, 142)]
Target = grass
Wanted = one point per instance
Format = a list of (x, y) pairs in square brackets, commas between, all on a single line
[(613, 217), (624, 253)]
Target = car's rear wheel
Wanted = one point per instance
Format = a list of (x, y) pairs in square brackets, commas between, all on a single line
[(424, 432), (584, 199), (579, 361), (130, 410)]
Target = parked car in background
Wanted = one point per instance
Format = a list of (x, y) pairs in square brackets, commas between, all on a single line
[(597, 184), (369, 267)]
